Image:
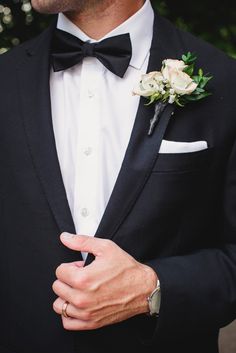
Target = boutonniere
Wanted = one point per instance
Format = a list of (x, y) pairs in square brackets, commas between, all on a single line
[(176, 83)]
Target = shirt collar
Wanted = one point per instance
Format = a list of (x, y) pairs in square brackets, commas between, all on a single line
[(139, 26)]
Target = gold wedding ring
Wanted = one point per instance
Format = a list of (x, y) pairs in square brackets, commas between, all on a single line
[(64, 308)]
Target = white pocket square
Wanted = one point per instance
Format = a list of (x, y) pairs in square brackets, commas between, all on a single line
[(182, 147)]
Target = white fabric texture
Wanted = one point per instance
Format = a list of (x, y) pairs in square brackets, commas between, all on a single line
[(182, 147)]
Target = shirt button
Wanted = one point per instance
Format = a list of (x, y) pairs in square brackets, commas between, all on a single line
[(90, 94), (84, 212), (88, 151)]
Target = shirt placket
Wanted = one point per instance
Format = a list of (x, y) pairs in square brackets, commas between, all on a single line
[(88, 149)]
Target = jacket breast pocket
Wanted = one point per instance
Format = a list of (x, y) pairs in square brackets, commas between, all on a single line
[(183, 162)]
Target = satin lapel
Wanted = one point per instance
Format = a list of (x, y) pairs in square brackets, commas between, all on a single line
[(142, 150), (34, 73)]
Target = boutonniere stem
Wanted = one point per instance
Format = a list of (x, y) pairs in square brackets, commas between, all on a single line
[(159, 109), (177, 83)]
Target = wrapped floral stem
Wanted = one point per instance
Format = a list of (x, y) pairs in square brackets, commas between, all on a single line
[(159, 108)]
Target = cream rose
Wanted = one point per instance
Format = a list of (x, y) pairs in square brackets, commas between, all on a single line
[(170, 64), (150, 83), (175, 64), (181, 82)]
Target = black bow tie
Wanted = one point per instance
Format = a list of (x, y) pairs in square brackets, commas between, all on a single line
[(114, 52)]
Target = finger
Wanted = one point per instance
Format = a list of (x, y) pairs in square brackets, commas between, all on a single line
[(70, 323), (71, 310), (79, 263), (75, 276), (67, 273), (65, 292), (85, 243), (78, 325), (58, 305)]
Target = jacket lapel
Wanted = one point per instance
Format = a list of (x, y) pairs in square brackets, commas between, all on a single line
[(34, 73), (142, 150)]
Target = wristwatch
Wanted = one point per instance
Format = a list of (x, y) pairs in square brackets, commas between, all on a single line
[(154, 301)]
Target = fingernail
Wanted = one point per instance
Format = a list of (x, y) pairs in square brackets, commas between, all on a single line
[(67, 235)]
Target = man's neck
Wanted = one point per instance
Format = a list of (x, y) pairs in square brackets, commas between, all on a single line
[(96, 22)]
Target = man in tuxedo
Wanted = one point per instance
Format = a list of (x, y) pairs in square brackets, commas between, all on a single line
[(112, 239)]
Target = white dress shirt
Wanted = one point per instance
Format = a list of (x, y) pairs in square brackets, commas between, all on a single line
[(93, 113)]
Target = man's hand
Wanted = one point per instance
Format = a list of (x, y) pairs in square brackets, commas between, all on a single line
[(111, 289)]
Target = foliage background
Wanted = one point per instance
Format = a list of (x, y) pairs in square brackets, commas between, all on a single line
[(212, 20)]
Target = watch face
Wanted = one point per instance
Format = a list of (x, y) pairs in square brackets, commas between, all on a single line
[(155, 302)]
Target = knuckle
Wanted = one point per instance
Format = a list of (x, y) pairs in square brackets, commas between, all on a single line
[(55, 285), (92, 325), (106, 244), (80, 281), (56, 306), (76, 301), (80, 302), (87, 316), (75, 281), (59, 270)]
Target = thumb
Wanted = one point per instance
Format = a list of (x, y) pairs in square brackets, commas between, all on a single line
[(82, 243)]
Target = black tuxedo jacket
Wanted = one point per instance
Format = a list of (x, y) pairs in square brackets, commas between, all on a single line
[(175, 212)]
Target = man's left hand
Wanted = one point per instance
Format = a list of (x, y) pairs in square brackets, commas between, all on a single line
[(113, 288)]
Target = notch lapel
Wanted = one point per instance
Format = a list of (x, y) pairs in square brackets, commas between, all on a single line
[(142, 150), (34, 73)]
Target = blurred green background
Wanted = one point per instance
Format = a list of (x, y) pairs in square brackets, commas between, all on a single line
[(213, 20)]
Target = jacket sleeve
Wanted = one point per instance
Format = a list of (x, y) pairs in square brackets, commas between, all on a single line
[(198, 291)]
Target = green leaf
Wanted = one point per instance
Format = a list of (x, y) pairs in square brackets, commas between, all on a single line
[(192, 98), (166, 96), (187, 58), (196, 79), (204, 81), (153, 98), (179, 102), (190, 58), (200, 72), (189, 70), (199, 90)]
